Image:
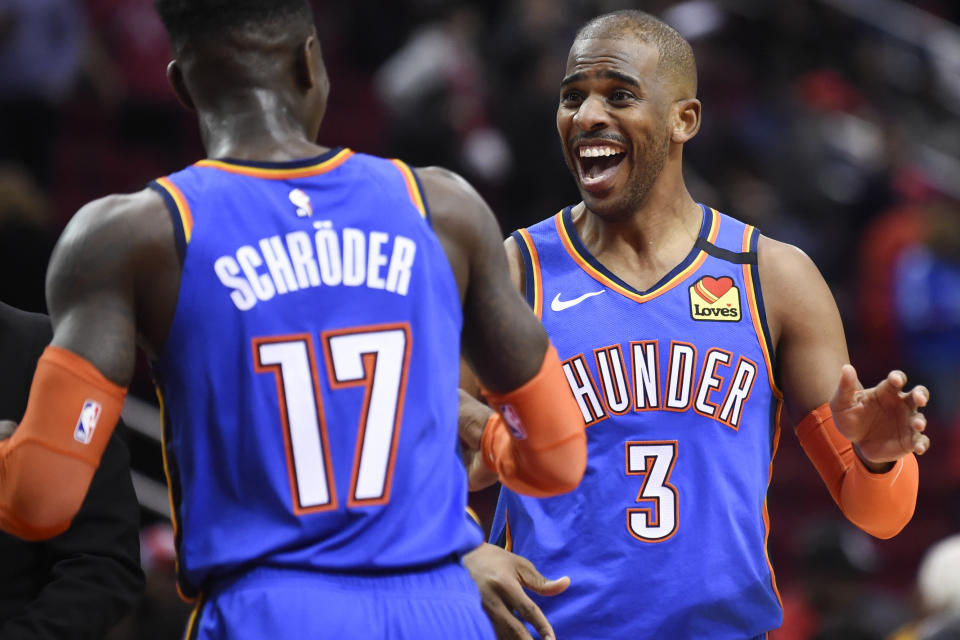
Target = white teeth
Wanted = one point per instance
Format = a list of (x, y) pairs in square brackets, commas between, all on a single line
[(596, 152)]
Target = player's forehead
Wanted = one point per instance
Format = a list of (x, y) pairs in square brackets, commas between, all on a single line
[(590, 57)]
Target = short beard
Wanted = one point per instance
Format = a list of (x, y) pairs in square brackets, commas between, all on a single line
[(650, 167)]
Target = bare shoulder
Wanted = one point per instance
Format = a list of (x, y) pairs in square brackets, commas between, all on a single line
[(106, 257), (115, 221), (452, 200), (782, 260), (464, 224), (793, 286), (106, 237)]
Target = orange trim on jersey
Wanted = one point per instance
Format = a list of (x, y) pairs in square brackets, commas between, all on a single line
[(507, 534), (413, 189), (192, 628), (186, 217), (279, 174), (174, 520), (755, 312), (607, 282), (473, 516), (766, 514), (537, 276)]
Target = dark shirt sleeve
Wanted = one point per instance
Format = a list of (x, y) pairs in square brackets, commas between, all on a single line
[(89, 577)]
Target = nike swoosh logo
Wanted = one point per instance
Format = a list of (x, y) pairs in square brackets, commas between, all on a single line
[(559, 305)]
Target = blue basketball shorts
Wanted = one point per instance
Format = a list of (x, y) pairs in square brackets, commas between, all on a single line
[(441, 602)]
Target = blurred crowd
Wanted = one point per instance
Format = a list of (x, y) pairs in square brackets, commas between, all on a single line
[(830, 124)]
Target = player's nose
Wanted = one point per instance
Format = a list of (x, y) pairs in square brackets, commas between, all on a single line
[(592, 114)]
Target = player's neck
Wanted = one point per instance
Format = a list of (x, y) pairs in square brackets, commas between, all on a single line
[(645, 246), (255, 126)]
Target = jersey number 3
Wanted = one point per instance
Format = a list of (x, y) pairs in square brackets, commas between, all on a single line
[(373, 357), (654, 519)]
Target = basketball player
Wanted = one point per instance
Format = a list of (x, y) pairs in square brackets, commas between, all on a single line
[(678, 327), (302, 310)]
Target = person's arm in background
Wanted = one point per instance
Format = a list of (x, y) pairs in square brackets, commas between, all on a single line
[(475, 415), (861, 441), (93, 577), (501, 576), (89, 577), (536, 444), (97, 281)]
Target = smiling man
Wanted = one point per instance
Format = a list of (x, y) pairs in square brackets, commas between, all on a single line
[(678, 329)]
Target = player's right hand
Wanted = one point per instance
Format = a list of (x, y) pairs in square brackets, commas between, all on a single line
[(471, 419), (501, 577)]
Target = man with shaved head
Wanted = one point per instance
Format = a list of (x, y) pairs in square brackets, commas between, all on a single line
[(302, 309), (678, 327)]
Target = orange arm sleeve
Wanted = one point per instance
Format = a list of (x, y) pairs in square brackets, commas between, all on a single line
[(879, 503), (47, 465), (536, 441)]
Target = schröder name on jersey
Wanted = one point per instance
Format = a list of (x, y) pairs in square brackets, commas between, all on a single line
[(348, 257)]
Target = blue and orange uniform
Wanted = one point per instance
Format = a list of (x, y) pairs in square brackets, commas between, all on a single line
[(308, 388), (677, 389)]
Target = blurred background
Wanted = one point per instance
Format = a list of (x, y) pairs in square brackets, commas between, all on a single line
[(830, 124)]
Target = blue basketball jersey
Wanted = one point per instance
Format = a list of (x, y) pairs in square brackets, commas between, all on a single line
[(309, 380), (666, 535)]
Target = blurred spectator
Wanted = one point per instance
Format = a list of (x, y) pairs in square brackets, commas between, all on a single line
[(837, 598), (937, 594), (26, 239), (525, 56), (162, 615), (41, 53), (77, 585), (926, 289), (435, 90), (877, 338)]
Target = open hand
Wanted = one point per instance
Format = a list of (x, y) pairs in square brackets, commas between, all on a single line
[(884, 422), (501, 577)]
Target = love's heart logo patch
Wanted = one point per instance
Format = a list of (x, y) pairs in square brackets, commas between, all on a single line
[(715, 299)]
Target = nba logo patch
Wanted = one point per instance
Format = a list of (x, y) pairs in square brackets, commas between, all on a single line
[(715, 299), (87, 423), (514, 423), (300, 199)]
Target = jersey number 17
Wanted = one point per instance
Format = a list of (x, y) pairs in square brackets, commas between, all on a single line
[(374, 357)]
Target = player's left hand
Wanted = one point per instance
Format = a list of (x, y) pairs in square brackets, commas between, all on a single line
[(501, 577), (884, 422)]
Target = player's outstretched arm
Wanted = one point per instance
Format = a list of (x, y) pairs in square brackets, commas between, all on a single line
[(539, 445), (80, 381), (861, 441)]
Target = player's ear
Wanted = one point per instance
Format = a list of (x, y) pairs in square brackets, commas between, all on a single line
[(175, 78), (686, 120), (309, 68)]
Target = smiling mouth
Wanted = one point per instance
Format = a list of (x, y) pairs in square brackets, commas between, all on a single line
[(597, 164)]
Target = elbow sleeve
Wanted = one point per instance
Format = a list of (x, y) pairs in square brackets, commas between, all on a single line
[(47, 465), (879, 503), (536, 442)]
